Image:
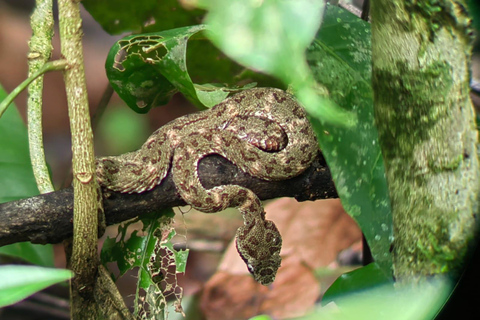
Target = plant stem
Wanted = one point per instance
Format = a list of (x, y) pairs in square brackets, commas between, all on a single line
[(83, 260), (40, 52), (49, 66)]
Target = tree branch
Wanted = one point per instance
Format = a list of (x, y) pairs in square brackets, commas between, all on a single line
[(48, 218)]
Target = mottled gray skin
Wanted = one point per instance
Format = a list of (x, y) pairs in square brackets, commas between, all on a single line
[(263, 131)]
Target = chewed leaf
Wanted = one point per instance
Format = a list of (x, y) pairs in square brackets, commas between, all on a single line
[(151, 250), (147, 69), (134, 249), (141, 68)]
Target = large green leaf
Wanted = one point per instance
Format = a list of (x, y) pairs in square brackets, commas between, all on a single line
[(18, 282), (17, 180), (117, 16), (271, 36), (340, 58)]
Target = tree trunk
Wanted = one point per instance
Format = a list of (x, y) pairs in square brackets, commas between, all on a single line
[(421, 52)]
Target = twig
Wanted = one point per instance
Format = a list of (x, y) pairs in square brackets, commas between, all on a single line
[(49, 66), (40, 51)]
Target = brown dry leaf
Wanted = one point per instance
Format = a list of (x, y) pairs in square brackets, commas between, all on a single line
[(313, 235)]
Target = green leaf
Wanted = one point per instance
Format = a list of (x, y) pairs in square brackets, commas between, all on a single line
[(16, 174), (137, 249), (340, 58), (131, 253), (147, 69), (180, 256), (34, 253), (155, 257), (139, 83), (271, 36), (19, 282), (355, 281), (209, 99), (415, 301), (117, 16), (17, 180)]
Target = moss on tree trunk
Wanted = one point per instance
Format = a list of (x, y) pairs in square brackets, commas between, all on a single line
[(421, 52)]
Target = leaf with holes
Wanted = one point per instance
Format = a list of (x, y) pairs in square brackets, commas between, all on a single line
[(147, 69), (134, 250)]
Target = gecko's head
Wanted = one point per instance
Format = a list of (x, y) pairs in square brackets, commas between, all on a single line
[(259, 245)]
